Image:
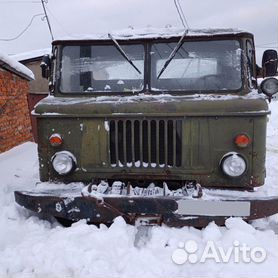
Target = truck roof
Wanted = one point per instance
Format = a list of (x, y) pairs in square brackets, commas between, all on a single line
[(153, 33)]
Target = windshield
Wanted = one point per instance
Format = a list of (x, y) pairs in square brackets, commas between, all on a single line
[(199, 65), (101, 68)]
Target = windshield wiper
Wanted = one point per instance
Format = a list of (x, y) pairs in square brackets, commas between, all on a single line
[(173, 53), (122, 52)]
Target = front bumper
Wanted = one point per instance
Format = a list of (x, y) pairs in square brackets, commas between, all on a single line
[(170, 210)]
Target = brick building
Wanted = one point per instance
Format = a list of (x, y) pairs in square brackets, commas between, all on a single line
[(38, 86), (15, 125)]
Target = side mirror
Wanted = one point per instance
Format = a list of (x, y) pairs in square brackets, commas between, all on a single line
[(269, 63), (46, 66)]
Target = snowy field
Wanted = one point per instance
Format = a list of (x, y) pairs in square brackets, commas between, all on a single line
[(31, 247)]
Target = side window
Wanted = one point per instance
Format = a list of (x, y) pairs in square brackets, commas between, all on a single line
[(250, 63), (250, 56), (54, 65)]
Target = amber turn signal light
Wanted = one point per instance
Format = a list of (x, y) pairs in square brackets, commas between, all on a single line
[(242, 140), (55, 140)]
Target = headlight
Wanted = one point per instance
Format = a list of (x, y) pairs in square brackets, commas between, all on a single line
[(63, 162), (269, 86), (233, 164)]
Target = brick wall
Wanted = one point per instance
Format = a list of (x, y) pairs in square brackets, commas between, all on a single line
[(15, 125)]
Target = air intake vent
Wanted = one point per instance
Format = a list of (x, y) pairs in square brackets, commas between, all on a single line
[(146, 143)]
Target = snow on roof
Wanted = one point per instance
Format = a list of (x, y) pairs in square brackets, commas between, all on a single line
[(18, 68), (31, 54), (150, 32)]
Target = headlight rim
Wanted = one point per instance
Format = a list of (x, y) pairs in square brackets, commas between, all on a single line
[(262, 86), (227, 155), (70, 156)]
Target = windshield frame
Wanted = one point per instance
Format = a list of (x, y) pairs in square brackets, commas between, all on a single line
[(147, 45), (100, 93)]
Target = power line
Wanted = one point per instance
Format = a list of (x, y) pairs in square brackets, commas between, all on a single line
[(47, 19), (58, 22), (183, 23), (181, 10), (23, 31), (181, 14), (265, 47), (262, 44), (31, 21), (18, 2)]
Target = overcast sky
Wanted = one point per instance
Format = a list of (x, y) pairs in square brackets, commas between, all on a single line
[(93, 16)]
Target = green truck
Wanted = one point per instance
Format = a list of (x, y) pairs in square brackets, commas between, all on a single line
[(153, 122)]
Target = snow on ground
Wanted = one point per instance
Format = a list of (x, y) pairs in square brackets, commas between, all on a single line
[(31, 247)]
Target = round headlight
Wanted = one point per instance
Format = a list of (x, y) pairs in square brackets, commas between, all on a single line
[(269, 86), (233, 165), (63, 162)]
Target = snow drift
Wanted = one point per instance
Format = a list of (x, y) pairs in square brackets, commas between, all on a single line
[(32, 247)]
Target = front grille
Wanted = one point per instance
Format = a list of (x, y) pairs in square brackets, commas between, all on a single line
[(145, 143)]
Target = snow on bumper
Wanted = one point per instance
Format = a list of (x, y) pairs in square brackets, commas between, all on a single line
[(172, 210)]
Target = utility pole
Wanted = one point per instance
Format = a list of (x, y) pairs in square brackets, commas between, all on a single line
[(48, 23)]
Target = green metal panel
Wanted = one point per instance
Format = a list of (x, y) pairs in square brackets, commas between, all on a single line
[(197, 144), (94, 146), (259, 151)]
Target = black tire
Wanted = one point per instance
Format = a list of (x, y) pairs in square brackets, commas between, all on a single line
[(64, 222)]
